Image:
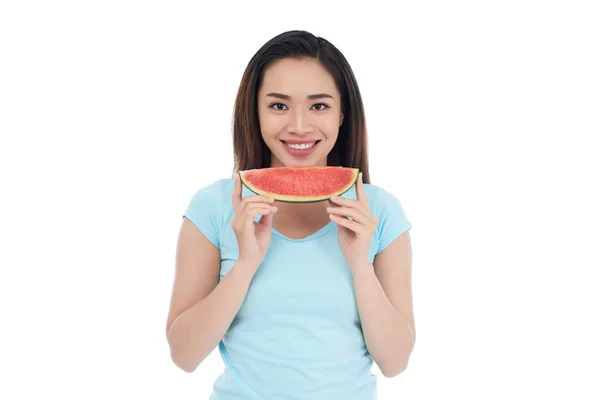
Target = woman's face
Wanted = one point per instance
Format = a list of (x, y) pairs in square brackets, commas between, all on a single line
[(299, 110)]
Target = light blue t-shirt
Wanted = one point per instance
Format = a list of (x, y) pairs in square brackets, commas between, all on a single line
[(297, 334)]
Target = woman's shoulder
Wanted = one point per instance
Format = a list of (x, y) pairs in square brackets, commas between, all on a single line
[(382, 200), (388, 209), (215, 194), (207, 207)]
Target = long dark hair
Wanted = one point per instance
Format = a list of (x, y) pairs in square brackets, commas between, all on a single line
[(250, 150)]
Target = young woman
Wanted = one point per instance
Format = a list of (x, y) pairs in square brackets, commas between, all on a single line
[(299, 298)]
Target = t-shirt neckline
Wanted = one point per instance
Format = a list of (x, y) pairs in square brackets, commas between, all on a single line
[(324, 230)]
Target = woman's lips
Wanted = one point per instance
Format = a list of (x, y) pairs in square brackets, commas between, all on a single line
[(300, 152)]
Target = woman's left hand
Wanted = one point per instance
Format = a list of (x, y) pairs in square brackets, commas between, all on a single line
[(354, 235)]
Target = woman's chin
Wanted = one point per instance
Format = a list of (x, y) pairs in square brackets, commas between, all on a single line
[(294, 162)]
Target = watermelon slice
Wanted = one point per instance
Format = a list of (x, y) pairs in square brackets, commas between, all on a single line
[(300, 184)]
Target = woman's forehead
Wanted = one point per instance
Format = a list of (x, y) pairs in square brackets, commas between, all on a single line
[(298, 79)]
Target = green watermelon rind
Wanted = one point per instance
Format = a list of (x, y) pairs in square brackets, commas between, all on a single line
[(300, 199)]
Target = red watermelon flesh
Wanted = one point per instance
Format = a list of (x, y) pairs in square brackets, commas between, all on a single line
[(300, 184)]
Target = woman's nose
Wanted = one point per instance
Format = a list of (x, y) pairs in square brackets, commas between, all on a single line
[(301, 123)]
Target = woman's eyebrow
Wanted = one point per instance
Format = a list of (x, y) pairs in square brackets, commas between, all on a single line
[(311, 97)]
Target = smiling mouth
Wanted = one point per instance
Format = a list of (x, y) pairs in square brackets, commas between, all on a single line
[(300, 145)]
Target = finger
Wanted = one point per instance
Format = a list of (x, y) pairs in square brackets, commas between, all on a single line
[(252, 211), (257, 199), (354, 226), (236, 197), (353, 213), (252, 208), (355, 205), (344, 202)]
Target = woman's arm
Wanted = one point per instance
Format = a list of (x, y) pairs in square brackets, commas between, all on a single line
[(202, 309), (384, 299)]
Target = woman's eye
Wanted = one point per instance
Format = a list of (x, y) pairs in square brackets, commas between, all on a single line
[(278, 106), (323, 106)]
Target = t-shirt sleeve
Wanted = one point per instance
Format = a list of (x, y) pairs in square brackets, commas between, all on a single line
[(392, 219), (205, 211)]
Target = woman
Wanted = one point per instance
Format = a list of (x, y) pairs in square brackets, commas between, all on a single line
[(299, 298)]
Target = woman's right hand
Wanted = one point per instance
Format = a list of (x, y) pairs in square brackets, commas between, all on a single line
[(253, 238)]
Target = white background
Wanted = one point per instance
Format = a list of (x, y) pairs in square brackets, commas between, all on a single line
[(482, 118)]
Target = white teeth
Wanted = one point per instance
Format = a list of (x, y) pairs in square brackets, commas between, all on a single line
[(302, 146)]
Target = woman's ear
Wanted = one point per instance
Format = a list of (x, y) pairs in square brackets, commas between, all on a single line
[(341, 118)]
